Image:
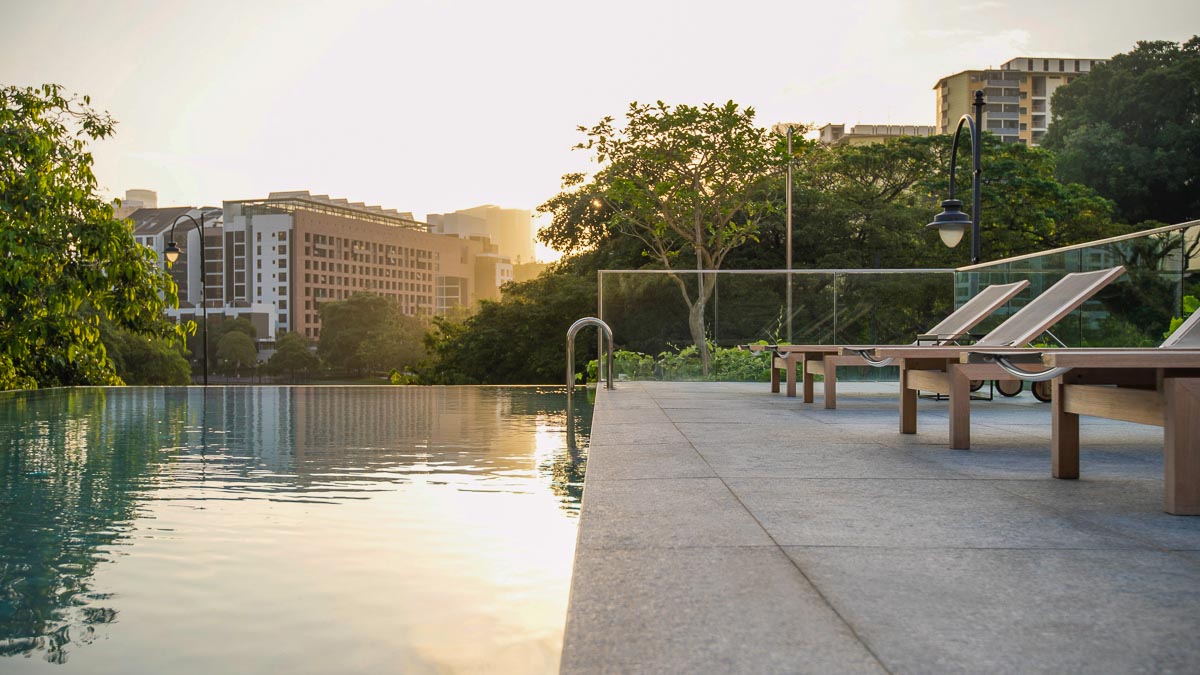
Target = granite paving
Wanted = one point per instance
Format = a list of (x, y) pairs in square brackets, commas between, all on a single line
[(728, 529)]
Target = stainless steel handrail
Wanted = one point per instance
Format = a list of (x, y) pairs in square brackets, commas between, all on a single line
[(575, 327)]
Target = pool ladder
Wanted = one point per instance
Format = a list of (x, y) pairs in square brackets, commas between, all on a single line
[(602, 370)]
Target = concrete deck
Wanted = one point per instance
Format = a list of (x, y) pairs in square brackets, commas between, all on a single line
[(728, 529)]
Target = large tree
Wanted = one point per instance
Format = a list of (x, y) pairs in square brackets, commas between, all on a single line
[(518, 340), (682, 181), (369, 333), (1131, 130), (293, 356), (65, 261)]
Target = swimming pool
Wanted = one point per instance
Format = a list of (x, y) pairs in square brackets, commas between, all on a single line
[(287, 529)]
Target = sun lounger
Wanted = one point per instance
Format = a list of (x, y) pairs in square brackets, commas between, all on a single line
[(939, 368), (1147, 386), (824, 359)]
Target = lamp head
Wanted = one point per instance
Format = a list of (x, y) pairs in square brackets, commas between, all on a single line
[(171, 253), (951, 223)]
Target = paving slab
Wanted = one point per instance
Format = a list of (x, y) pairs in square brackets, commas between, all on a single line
[(728, 529)]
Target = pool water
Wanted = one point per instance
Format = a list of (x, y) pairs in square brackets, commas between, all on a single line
[(287, 529)]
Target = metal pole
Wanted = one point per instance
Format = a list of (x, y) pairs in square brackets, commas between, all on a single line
[(976, 197), (789, 233), (203, 286), (203, 294)]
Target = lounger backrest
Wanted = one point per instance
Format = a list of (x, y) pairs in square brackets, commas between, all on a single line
[(1187, 336), (1049, 308), (978, 308)]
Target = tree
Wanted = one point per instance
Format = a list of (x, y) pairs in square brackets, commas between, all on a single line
[(680, 180), (292, 356), (65, 261), (518, 340), (1131, 130), (235, 353), (142, 359), (369, 333)]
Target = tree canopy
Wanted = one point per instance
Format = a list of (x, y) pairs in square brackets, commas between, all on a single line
[(292, 356), (65, 261), (1131, 131), (518, 340), (682, 181), (369, 333)]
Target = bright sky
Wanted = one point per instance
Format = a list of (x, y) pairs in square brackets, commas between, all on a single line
[(431, 106)]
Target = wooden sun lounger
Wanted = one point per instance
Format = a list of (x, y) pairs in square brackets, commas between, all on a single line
[(940, 369), (1158, 386), (824, 360)]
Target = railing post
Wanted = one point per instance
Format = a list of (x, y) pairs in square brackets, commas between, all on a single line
[(606, 332)]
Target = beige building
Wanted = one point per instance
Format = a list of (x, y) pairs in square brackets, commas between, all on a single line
[(511, 230), (865, 134), (1017, 95), (294, 251)]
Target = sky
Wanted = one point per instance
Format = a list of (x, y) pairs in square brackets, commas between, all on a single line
[(429, 106)]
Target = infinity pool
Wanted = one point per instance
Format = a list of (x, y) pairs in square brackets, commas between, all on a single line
[(287, 529)]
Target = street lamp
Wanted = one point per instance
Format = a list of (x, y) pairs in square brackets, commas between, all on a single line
[(951, 223), (171, 253), (791, 128)]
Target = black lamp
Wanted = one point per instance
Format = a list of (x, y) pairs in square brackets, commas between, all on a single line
[(951, 223)]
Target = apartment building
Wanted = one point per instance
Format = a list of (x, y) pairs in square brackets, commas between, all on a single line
[(294, 251), (152, 229), (1017, 95), (866, 134)]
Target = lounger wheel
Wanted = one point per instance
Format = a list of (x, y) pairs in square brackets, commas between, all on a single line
[(976, 385), (1041, 391), (1009, 388)]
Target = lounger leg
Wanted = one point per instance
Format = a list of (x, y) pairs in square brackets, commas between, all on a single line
[(808, 380), (1064, 434), (960, 409), (908, 403), (774, 375), (791, 376), (830, 384), (1182, 446)]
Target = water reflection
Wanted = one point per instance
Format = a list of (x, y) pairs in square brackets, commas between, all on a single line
[(201, 477)]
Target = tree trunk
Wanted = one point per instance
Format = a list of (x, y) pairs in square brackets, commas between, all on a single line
[(696, 324)]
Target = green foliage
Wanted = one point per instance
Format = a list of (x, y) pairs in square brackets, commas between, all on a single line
[(1131, 130), (1190, 305), (397, 377), (368, 333), (728, 365), (867, 205), (518, 340), (142, 359), (235, 353), (65, 261), (293, 356), (683, 181)]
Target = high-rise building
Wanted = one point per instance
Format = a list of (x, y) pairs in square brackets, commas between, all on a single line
[(294, 251), (1016, 95), (134, 200), (511, 230), (153, 229)]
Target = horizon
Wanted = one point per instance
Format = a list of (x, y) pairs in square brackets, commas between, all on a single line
[(266, 107)]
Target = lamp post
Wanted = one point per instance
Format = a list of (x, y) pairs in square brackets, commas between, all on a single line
[(171, 253), (788, 264), (952, 222)]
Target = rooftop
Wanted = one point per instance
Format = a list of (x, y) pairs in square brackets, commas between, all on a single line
[(301, 200)]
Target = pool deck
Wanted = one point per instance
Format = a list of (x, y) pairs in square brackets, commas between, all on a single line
[(728, 529)]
